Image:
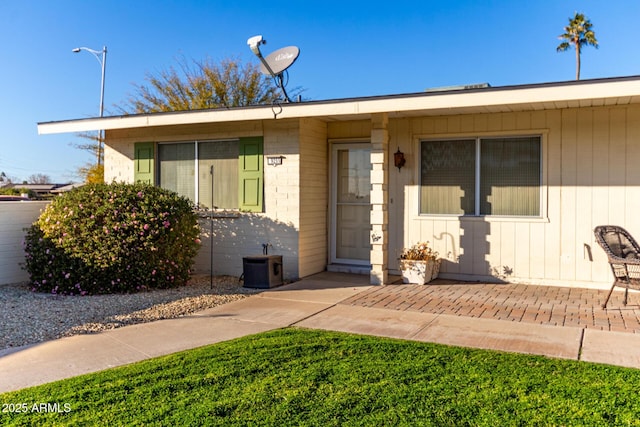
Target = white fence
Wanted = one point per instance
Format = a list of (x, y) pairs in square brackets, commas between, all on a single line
[(14, 218)]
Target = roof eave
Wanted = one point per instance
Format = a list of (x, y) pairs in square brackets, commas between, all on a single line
[(610, 91)]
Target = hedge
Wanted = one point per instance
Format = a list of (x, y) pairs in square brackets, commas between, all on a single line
[(109, 238)]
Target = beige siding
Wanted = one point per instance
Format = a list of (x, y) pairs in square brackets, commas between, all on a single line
[(282, 193), (314, 192), (400, 139), (242, 234), (119, 150), (118, 162), (186, 132), (14, 218), (346, 130), (295, 221), (552, 165), (590, 177)]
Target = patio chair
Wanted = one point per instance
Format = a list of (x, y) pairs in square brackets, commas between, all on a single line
[(624, 257)]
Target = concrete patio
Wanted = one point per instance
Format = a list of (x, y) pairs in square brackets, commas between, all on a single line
[(556, 322)]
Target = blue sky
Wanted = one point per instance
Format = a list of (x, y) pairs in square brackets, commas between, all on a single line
[(348, 49)]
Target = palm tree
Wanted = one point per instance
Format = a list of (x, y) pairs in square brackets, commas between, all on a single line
[(578, 33)]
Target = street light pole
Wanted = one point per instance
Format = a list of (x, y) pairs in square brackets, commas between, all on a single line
[(103, 63)]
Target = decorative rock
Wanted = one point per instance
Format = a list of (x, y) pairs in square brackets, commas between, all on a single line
[(28, 318)]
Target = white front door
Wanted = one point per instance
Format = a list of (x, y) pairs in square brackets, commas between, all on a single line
[(351, 205)]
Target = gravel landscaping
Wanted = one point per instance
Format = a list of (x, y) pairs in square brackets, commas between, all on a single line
[(27, 317)]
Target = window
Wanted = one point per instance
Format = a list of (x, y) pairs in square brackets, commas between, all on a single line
[(222, 174), (481, 176), (186, 168), (177, 168), (222, 186)]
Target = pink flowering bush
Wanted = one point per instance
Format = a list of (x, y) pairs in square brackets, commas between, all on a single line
[(108, 238)]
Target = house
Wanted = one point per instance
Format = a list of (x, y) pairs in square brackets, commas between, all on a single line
[(67, 187), (42, 191), (506, 183)]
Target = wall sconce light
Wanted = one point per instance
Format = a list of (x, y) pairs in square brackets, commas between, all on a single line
[(398, 159), (275, 161)]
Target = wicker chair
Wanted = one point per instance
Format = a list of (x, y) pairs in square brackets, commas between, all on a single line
[(624, 257)]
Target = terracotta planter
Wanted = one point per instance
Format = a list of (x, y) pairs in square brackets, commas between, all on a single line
[(419, 272)]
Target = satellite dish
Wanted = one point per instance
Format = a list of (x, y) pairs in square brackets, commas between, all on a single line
[(276, 63), (280, 60)]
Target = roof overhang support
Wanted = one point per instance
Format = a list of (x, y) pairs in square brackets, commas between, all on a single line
[(379, 196)]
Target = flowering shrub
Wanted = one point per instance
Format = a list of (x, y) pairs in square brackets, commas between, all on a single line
[(106, 238), (419, 252)]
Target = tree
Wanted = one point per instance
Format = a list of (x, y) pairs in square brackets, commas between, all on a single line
[(94, 174), (7, 179), (202, 85), (91, 173), (578, 33), (39, 178)]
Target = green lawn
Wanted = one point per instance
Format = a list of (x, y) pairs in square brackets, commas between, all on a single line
[(303, 377)]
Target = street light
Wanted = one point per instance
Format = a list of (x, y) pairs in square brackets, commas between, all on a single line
[(103, 63)]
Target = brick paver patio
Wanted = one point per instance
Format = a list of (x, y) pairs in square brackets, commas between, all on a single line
[(547, 305)]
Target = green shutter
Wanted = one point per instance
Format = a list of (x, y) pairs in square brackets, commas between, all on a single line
[(143, 163), (251, 174)]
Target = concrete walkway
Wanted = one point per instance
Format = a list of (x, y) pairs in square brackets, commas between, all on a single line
[(469, 315)]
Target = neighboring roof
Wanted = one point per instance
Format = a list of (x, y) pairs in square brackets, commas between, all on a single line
[(67, 187), (9, 198), (35, 187), (38, 188), (544, 96)]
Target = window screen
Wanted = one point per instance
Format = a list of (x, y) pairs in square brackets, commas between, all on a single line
[(482, 176)]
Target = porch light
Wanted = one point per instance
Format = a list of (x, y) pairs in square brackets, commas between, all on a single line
[(398, 159)]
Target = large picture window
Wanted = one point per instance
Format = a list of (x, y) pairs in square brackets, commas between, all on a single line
[(481, 176), (186, 168)]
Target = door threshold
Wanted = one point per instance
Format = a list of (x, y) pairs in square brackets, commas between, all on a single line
[(349, 268)]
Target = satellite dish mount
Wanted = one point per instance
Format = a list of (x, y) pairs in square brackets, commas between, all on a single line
[(276, 63)]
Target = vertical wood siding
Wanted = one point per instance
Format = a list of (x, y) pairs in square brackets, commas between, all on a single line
[(590, 177), (314, 192)]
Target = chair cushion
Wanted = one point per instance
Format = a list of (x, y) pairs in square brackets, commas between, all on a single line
[(620, 245)]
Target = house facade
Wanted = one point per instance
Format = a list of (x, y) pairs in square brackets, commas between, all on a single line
[(506, 183)]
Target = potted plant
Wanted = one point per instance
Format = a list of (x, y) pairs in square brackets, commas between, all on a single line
[(419, 264)]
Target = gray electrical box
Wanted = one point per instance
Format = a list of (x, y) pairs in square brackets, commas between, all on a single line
[(262, 271)]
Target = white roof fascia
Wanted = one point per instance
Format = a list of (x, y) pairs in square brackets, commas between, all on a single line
[(585, 93), (158, 119)]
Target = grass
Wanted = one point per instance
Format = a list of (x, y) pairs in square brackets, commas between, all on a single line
[(294, 377)]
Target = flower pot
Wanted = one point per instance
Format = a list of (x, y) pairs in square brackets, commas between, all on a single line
[(419, 272)]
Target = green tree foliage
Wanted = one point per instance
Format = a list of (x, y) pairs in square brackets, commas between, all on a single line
[(578, 33), (103, 238), (91, 173), (16, 191), (94, 174), (202, 85)]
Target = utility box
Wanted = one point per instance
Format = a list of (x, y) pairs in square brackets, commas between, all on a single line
[(262, 271)]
